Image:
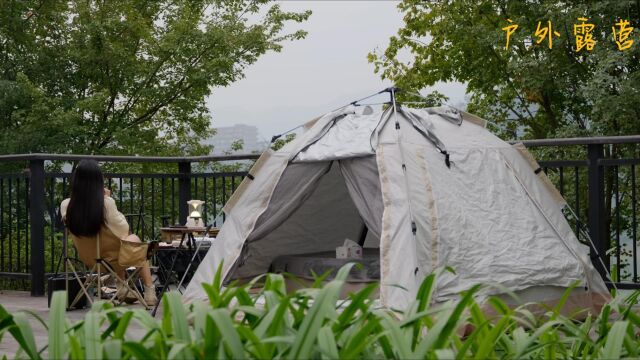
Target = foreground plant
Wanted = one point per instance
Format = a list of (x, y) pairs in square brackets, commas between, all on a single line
[(315, 323)]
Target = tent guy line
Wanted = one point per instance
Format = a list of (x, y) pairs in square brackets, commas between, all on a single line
[(354, 103)]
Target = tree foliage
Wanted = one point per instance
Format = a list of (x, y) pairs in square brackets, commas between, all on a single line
[(124, 76), (538, 91)]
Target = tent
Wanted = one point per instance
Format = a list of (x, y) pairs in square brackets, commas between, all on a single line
[(433, 187)]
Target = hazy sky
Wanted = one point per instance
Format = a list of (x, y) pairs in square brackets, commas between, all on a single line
[(310, 77)]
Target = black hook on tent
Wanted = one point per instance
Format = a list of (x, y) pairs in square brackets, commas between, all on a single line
[(276, 137), (392, 90), (447, 161)]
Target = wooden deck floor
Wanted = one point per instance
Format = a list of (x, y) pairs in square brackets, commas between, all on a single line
[(15, 301)]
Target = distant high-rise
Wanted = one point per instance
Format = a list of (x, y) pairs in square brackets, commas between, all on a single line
[(225, 137)]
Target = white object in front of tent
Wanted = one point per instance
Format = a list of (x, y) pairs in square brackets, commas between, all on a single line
[(349, 250)]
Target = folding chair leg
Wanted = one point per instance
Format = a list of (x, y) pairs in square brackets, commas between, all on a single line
[(99, 290), (83, 286), (126, 284), (131, 282)]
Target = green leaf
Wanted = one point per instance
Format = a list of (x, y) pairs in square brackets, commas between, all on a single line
[(136, 350), (433, 334), (27, 341), (613, 346), (92, 339), (76, 352), (123, 325), (177, 352), (230, 336), (323, 308), (113, 349), (399, 340), (255, 345), (358, 302), (174, 308), (327, 344), (361, 339), (57, 325), (454, 318)]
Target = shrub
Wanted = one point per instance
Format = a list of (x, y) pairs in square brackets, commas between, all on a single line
[(315, 323)]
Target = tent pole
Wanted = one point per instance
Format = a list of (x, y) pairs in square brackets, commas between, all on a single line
[(363, 234)]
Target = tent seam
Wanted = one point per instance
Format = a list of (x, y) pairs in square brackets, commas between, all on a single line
[(384, 232)]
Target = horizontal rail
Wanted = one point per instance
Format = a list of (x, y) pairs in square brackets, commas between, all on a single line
[(23, 276), (563, 163), (616, 162), (624, 285), (61, 175), (15, 275), (628, 139), (132, 159), (599, 140), (15, 175)]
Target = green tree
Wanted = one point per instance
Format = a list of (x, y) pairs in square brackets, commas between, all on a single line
[(528, 87), (125, 76)]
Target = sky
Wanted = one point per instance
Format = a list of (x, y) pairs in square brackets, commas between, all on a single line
[(310, 77)]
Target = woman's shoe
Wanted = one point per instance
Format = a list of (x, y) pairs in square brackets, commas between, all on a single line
[(125, 296), (150, 295)]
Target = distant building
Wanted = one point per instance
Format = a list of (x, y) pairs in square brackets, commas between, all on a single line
[(225, 137)]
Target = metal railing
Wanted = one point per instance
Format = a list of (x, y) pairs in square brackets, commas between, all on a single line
[(30, 224), (598, 177)]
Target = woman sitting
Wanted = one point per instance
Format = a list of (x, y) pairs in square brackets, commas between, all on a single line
[(91, 211)]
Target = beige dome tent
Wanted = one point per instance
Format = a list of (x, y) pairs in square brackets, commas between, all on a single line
[(433, 187)]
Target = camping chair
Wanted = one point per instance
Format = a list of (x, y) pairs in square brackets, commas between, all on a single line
[(130, 254), (94, 277)]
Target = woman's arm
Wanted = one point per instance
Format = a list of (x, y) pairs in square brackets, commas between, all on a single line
[(114, 219)]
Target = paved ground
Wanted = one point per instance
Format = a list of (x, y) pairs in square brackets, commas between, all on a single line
[(15, 301)]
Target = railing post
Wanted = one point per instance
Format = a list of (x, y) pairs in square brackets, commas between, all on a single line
[(36, 219), (184, 190), (596, 216)]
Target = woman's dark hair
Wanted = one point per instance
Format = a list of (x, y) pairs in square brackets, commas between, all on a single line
[(85, 212)]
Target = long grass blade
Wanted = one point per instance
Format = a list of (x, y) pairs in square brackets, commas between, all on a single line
[(113, 349), (92, 340), (229, 334), (174, 307), (57, 325), (327, 343), (28, 341), (613, 347)]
